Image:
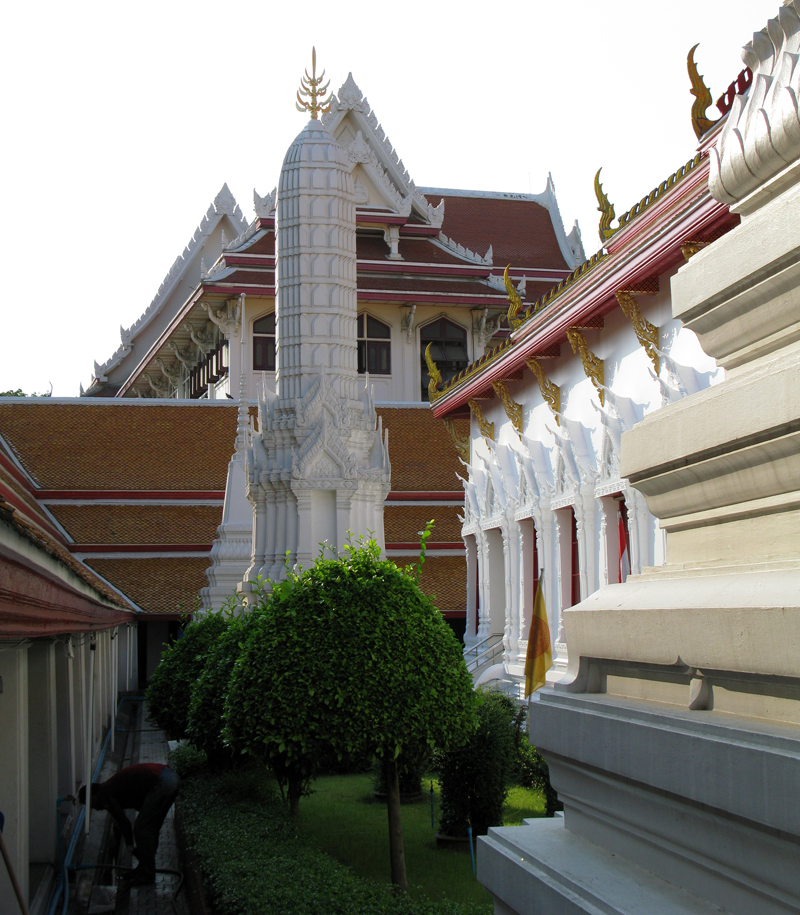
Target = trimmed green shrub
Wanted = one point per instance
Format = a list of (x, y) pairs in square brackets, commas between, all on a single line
[(186, 760), (254, 864), (170, 690), (535, 774), (475, 777)]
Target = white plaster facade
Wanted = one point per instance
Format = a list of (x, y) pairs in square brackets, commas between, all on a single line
[(563, 464)]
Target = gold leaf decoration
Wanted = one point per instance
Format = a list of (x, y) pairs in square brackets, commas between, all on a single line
[(592, 366), (702, 97), (435, 375), (605, 208), (514, 299), (311, 89), (646, 333), (487, 428), (513, 409), (551, 392), (462, 442)]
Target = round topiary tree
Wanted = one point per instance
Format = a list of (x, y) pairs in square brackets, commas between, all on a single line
[(475, 776), (353, 657), (170, 690)]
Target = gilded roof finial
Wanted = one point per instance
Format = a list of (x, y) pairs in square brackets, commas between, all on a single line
[(310, 88), (702, 97), (435, 375), (514, 300), (605, 208)]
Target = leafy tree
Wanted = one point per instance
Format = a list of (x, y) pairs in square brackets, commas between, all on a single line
[(170, 690), (354, 657), (204, 721), (475, 776), (18, 392)]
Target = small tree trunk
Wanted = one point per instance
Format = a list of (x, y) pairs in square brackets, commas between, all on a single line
[(397, 853), (294, 795)]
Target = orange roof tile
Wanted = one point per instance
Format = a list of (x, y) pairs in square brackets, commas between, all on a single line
[(422, 453), (144, 525), (121, 445), (402, 523), (157, 585), (444, 579)]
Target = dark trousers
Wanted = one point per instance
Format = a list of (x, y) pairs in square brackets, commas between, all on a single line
[(148, 823)]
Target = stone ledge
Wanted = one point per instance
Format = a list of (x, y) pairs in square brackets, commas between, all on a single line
[(544, 868)]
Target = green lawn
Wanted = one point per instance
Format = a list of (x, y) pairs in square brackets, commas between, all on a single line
[(343, 819)]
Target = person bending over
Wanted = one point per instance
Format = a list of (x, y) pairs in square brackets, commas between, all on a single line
[(150, 789)]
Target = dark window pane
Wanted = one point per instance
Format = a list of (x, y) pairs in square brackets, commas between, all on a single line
[(360, 331), (265, 325), (448, 350), (377, 329), (362, 357)]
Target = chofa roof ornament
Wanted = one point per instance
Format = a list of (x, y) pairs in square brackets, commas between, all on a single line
[(605, 208), (310, 88), (702, 97)]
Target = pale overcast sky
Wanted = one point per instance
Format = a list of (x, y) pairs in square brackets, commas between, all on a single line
[(122, 121)]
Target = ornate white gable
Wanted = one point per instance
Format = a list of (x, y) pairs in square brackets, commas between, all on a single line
[(381, 180)]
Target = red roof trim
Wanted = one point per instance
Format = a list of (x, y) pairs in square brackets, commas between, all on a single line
[(414, 545), (440, 298), (457, 496), (143, 494)]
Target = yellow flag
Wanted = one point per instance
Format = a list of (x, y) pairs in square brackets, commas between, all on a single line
[(540, 656)]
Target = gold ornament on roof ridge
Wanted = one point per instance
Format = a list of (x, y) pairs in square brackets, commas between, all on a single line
[(514, 299), (592, 366), (435, 375), (551, 392), (513, 409), (605, 208), (311, 89), (462, 442), (486, 428), (702, 97), (646, 333)]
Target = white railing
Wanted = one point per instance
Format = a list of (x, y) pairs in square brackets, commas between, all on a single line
[(483, 653)]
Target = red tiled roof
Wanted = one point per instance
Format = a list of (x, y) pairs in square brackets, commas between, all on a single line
[(161, 585), (121, 445), (519, 231), (140, 525), (402, 523), (422, 453), (443, 579)]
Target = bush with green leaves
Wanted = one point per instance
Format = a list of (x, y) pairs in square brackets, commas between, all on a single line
[(204, 721), (351, 657), (253, 862), (535, 774), (475, 777), (182, 662)]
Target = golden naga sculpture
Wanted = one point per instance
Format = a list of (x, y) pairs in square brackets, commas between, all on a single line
[(551, 392), (605, 208), (592, 366), (462, 442), (487, 428), (514, 299), (702, 97), (435, 375), (513, 409), (646, 333), (311, 89)]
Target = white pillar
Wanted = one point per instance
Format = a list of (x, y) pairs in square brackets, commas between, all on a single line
[(14, 772), (42, 749)]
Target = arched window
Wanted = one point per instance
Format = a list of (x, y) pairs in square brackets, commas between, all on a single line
[(374, 346), (264, 344), (449, 350)]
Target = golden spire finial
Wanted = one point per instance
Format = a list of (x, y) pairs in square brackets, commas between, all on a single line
[(605, 208), (702, 97), (310, 88)]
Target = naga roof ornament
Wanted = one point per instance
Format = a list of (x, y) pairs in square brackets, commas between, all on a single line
[(702, 97), (435, 375), (310, 88), (605, 208), (514, 299)]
